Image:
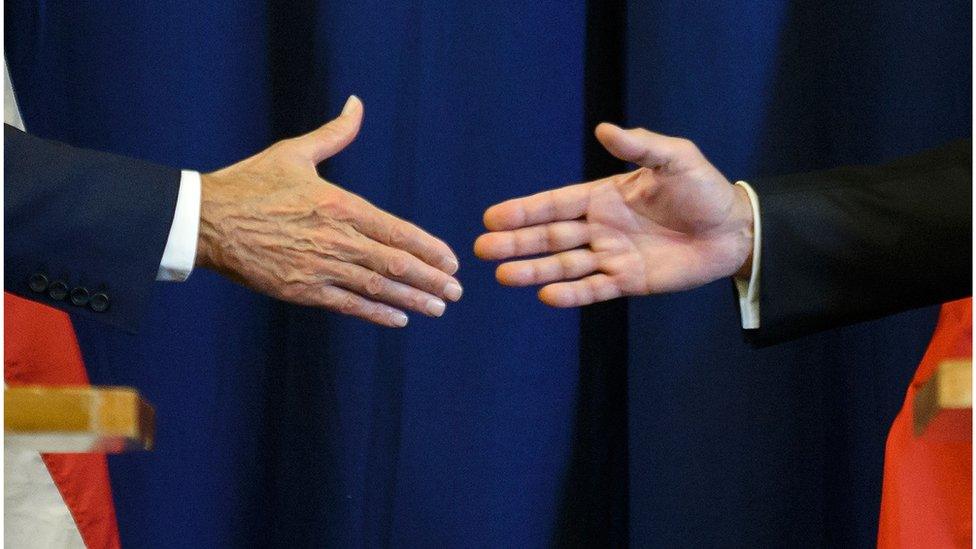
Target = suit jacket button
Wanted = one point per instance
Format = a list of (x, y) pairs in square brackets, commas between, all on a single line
[(99, 302), (80, 296), (58, 290), (38, 283)]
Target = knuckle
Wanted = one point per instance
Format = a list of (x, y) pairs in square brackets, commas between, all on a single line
[(592, 285), (549, 208), (399, 235), (398, 265), (348, 305), (290, 294), (328, 301), (552, 237), (435, 280), (536, 270), (375, 284), (523, 240), (333, 206), (419, 300), (564, 265)]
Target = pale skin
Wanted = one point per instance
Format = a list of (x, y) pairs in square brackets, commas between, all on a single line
[(272, 224), (674, 224)]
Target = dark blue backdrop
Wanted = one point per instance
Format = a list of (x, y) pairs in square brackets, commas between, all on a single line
[(286, 427), (733, 447)]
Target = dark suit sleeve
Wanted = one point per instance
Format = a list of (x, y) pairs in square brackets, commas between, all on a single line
[(859, 243), (95, 222)]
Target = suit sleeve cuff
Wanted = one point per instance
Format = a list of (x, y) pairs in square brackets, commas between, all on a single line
[(748, 289), (181, 247)]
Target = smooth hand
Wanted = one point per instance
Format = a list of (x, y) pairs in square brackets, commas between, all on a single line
[(272, 224), (674, 224)]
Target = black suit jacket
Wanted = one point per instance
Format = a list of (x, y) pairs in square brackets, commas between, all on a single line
[(84, 230), (858, 243)]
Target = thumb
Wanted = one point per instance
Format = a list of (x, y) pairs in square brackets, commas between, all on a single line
[(644, 148), (335, 135)]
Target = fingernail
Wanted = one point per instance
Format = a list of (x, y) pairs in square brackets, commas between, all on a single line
[(435, 307), (399, 319), (453, 291), (450, 265), (348, 107)]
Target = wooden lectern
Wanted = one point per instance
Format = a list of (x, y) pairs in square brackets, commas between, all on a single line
[(77, 419)]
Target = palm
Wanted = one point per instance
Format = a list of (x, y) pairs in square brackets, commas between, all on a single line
[(659, 229), (652, 242)]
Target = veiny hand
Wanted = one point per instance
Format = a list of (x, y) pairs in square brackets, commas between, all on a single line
[(272, 224), (674, 224)]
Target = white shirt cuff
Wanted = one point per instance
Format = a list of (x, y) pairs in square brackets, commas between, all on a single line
[(748, 290), (181, 247)]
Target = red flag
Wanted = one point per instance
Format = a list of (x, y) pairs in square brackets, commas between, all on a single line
[(926, 498), (41, 349)]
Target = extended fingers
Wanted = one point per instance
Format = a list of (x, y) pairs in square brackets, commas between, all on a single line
[(548, 238), (553, 205), (577, 293), (348, 303), (396, 233), (375, 286), (561, 266), (404, 267)]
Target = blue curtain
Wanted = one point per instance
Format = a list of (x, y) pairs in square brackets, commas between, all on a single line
[(285, 427), (733, 447)]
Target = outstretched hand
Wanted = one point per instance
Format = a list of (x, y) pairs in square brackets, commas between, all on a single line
[(271, 223), (674, 224)]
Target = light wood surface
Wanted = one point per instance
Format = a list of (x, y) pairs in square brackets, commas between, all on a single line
[(77, 419), (943, 407)]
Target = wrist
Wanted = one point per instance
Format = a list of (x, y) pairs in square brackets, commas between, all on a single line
[(207, 237)]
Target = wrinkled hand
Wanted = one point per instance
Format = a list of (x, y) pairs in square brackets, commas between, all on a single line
[(674, 224), (270, 223)]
